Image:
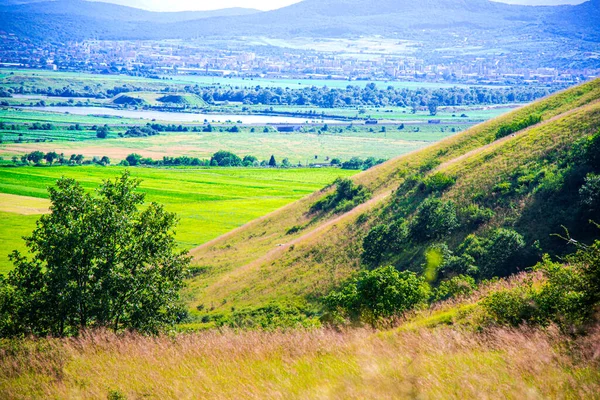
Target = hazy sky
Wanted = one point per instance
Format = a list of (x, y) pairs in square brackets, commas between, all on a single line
[(185, 5)]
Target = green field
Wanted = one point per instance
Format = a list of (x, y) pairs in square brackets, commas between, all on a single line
[(297, 147), (42, 77), (209, 202)]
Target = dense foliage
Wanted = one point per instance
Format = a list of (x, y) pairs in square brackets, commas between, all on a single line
[(103, 260), (347, 195), (324, 97), (381, 293), (568, 296)]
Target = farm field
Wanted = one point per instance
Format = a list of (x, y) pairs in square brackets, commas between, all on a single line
[(297, 147), (209, 202), (42, 76)]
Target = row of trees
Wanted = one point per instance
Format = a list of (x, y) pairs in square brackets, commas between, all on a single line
[(52, 157), (221, 158), (352, 95), (370, 95)]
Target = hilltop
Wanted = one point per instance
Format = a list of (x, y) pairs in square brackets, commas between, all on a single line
[(515, 172), (431, 20)]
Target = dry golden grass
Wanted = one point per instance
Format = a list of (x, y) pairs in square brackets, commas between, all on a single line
[(319, 364)]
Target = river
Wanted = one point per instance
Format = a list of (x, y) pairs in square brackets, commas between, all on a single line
[(180, 116)]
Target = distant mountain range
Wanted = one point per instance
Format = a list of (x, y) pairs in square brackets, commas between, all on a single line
[(63, 20)]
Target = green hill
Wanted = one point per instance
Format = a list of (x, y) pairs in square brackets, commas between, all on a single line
[(526, 182)]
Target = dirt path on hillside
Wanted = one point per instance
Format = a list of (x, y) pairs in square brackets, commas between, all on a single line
[(511, 136), (281, 248)]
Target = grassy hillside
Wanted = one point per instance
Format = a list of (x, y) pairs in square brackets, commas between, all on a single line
[(267, 261)]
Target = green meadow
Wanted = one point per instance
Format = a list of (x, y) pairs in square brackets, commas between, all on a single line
[(209, 202)]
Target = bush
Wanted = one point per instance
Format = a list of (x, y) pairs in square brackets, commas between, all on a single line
[(438, 182), (434, 219), (589, 193), (511, 306), (501, 251), (383, 239), (518, 125), (381, 293), (461, 285), (347, 195), (473, 215), (563, 298), (271, 317), (593, 151)]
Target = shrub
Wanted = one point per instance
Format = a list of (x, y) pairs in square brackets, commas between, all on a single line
[(589, 193), (461, 285), (438, 182), (564, 298), (593, 151), (473, 215), (511, 306), (347, 195), (294, 229), (271, 317), (380, 293), (500, 252), (518, 125), (382, 239), (434, 219)]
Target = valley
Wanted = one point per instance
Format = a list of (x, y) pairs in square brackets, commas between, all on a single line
[(323, 200)]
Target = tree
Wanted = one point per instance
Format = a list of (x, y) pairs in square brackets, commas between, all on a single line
[(133, 159), (105, 160), (35, 157), (432, 106), (102, 132), (434, 219), (249, 161), (226, 159), (272, 161), (50, 157), (98, 260)]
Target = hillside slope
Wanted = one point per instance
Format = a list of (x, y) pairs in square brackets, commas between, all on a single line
[(294, 256)]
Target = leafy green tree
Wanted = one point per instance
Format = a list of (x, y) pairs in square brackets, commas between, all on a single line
[(249, 161), (98, 260), (501, 252), (432, 106), (380, 293), (434, 219), (133, 159), (105, 160), (50, 157), (272, 161), (102, 132), (383, 240), (226, 159), (35, 157)]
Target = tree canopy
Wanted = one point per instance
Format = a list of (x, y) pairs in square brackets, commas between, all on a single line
[(102, 259)]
